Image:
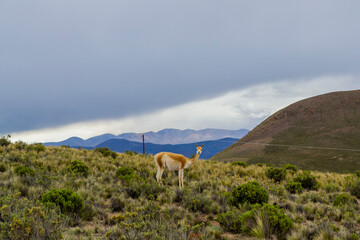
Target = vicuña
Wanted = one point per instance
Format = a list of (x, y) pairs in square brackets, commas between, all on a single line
[(174, 162)]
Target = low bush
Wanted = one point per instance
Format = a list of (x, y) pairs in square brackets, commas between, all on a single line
[(251, 192), (126, 174), (131, 153), (290, 167), (4, 141), (117, 205), (275, 173), (331, 187), (262, 221), (2, 167), (106, 152), (341, 199), (20, 145), (151, 190), (38, 147), (307, 181), (79, 168), (357, 173), (123, 171), (231, 221), (67, 200), (239, 163), (134, 189), (197, 202), (355, 189), (272, 219), (24, 171), (294, 187), (22, 219)]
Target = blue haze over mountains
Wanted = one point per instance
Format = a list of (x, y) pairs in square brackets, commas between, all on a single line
[(172, 140)]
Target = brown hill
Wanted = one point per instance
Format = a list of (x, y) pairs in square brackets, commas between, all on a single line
[(322, 133)]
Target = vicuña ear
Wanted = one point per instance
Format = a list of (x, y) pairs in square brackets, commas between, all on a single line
[(202, 145), (195, 145)]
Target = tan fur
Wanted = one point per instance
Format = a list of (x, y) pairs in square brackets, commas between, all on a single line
[(174, 162)]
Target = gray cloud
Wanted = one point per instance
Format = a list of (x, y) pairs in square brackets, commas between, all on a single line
[(69, 61)]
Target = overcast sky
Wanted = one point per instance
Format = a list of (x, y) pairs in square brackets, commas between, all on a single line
[(88, 67)]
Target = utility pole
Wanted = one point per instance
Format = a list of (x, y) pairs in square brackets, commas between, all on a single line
[(143, 137)]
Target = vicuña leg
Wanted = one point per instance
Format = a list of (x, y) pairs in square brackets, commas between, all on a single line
[(181, 173), (182, 178), (159, 173)]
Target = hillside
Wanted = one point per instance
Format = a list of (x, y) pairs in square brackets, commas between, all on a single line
[(165, 136), (327, 121), (62, 193), (210, 149)]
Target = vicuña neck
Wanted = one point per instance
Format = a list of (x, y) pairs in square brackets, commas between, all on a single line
[(193, 160)]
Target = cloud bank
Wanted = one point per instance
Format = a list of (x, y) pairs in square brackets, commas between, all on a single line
[(69, 61), (238, 109)]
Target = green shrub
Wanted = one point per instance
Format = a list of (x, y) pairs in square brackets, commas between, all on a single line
[(197, 202), (294, 187), (230, 221), (117, 205), (23, 219), (239, 163), (79, 168), (126, 174), (151, 190), (2, 167), (251, 192), (134, 189), (67, 200), (354, 237), (355, 189), (123, 171), (274, 221), (131, 153), (20, 145), (275, 173), (307, 181), (4, 141), (290, 167), (331, 187), (38, 147), (357, 173), (24, 171), (106, 152), (341, 199)]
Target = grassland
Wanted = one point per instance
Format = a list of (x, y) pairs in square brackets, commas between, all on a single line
[(115, 196)]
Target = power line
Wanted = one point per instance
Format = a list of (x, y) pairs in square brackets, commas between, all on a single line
[(304, 147)]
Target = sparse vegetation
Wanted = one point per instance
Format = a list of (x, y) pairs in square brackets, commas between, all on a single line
[(59, 192), (239, 163)]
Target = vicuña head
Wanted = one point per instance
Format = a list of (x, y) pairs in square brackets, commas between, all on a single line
[(174, 161)]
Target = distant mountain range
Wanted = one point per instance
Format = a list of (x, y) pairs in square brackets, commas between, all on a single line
[(165, 136), (171, 140), (210, 147)]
